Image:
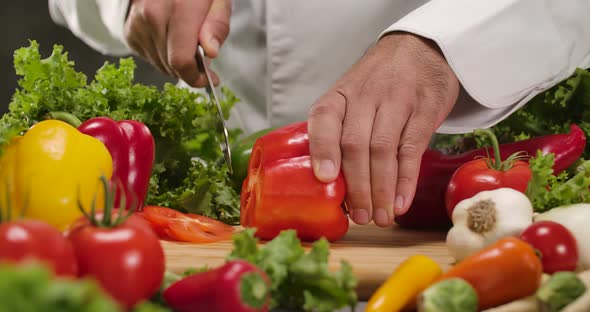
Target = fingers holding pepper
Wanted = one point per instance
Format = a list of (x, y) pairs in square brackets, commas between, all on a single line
[(377, 121)]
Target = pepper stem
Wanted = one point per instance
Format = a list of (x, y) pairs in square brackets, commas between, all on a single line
[(65, 117), (496, 162)]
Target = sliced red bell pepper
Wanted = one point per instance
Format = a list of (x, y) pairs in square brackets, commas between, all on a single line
[(132, 148), (284, 194), (175, 225), (237, 286), (281, 191)]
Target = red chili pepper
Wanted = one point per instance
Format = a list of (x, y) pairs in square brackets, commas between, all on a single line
[(281, 191), (132, 148), (237, 286), (428, 207)]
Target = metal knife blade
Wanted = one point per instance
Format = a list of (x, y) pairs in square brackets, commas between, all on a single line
[(221, 130)]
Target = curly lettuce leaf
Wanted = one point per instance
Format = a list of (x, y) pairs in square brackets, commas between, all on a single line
[(299, 280), (206, 191), (180, 120), (547, 191)]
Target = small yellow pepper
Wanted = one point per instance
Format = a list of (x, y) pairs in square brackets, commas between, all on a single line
[(49, 168), (404, 285)]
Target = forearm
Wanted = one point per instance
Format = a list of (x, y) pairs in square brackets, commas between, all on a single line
[(99, 23)]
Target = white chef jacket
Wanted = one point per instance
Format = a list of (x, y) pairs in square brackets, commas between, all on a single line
[(281, 55)]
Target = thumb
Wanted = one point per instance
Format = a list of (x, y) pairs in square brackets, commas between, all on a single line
[(215, 27)]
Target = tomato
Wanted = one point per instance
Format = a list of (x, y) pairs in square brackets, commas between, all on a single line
[(557, 245), (24, 240), (175, 225), (127, 259), (475, 176)]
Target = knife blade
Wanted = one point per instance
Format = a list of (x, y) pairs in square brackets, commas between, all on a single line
[(222, 136)]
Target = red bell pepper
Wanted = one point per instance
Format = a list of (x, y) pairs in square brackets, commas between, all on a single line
[(132, 148), (237, 286), (281, 191)]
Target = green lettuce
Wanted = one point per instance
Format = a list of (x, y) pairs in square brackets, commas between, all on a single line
[(180, 121), (299, 280), (547, 191)]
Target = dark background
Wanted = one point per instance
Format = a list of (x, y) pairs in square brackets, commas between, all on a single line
[(29, 19)]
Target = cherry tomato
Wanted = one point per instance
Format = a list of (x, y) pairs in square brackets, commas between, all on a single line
[(175, 225), (127, 260), (557, 245), (24, 240), (476, 176)]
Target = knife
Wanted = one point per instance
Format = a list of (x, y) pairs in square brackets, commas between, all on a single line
[(221, 130)]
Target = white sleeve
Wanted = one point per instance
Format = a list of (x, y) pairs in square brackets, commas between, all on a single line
[(504, 52), (99, 23)]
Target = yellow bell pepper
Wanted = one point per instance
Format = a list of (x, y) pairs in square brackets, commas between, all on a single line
[(49, 168), (402, 288)]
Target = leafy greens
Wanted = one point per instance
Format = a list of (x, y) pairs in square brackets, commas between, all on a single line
[(547, 191), (180, 121), (552, 111), (299, 280)]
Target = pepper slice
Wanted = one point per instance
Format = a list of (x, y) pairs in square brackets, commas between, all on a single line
[(175, 225)]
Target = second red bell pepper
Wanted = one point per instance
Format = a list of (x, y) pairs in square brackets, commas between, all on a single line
[(281, 191), (132, 149)]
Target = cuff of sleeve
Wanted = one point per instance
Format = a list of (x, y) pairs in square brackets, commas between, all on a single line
[(503, 52), (486, 42), (55, 14)]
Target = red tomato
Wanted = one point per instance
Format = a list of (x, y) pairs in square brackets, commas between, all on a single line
[(475, 176), (557, 245), (24, 240), (127, 260), (175, 225)]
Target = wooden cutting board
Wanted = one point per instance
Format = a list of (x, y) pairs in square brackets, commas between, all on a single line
[(372, 251)]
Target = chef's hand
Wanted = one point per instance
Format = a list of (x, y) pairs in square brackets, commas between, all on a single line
[(376, 122), (166, 33)]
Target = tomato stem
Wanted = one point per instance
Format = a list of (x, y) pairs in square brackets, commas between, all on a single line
[(6, 216), (109, 204), (496, 162)]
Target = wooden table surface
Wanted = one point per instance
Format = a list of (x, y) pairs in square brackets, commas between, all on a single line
[(372, 251)]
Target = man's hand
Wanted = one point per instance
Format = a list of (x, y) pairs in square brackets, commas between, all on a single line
[(376, 122), (166, 33)]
